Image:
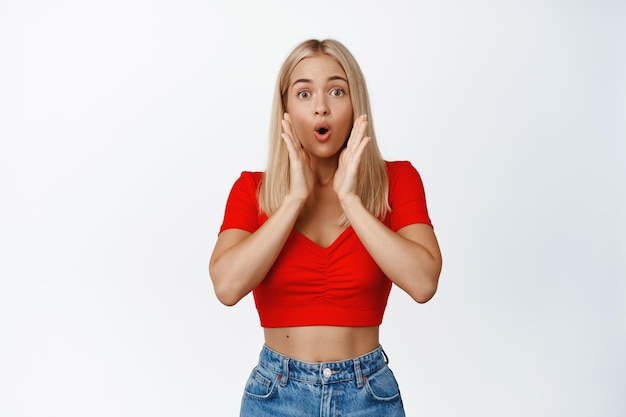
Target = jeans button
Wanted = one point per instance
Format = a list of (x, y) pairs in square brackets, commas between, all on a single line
[(327, 372)]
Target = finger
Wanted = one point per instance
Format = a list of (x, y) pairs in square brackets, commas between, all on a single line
[(285, 123), (353, 155), (289, 144), (288, 128), (358, 130), (359, 150), (361, 121), (288, 133)]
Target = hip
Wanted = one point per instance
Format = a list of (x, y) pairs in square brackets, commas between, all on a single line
[(363, 386)]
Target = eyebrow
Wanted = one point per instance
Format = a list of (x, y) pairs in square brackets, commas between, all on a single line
[(333, 78)]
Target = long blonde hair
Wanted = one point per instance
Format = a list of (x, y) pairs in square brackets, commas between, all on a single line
[(372, 181)]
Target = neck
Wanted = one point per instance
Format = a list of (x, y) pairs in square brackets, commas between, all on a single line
[(324, 170)]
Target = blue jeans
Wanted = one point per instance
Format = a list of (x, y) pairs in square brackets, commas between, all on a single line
[(280, 386)]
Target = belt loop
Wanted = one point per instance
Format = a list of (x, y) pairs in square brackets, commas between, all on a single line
[(357, 372), (385, 357), (285, 375)]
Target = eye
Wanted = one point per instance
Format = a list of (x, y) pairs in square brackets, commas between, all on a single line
[(304, 94), (337, 92)]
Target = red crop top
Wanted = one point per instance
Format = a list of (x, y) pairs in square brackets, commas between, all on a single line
[(340, 285)]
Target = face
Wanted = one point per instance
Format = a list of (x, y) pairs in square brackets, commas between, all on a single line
[(319, 104)]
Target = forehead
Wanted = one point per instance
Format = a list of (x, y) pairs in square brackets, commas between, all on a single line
[(317, 66)]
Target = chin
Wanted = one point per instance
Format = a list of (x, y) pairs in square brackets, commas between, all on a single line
[(325, 153)]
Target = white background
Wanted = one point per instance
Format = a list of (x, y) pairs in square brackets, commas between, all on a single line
[(123, 125)]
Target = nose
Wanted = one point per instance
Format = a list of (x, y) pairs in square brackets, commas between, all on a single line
[(321, 105)]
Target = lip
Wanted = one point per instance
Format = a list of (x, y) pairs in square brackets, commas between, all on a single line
[(322, 137)]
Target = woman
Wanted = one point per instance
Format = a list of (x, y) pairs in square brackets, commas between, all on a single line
[(319, 238)]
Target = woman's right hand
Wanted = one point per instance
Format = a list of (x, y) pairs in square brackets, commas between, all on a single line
[(301, 179), (241, 259)]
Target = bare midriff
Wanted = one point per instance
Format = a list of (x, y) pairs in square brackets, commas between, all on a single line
[(322, 343)]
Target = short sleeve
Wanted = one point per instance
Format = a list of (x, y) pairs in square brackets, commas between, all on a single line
[(406, 196), (242, 207)]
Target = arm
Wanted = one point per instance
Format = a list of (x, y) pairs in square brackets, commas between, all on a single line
[(409, 257), (240, 259)]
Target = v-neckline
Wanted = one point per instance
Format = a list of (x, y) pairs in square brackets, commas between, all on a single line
[(340, 237)]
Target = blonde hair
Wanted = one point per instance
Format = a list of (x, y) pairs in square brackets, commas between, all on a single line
[(372, 181)]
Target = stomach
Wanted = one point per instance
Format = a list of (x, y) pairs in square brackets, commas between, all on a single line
[(322, 343)]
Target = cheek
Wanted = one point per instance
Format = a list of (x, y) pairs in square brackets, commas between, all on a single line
[(297, 122), (346, 110), (347, 117)]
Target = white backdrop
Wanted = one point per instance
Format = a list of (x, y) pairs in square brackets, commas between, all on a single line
[(123, 125)]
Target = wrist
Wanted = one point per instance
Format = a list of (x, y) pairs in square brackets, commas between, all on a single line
[(291, 200), (350, 201)]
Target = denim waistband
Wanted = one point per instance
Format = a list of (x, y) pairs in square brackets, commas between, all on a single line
[(324, 372)]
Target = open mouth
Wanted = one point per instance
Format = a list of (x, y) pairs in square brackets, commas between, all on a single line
[(322, 131)]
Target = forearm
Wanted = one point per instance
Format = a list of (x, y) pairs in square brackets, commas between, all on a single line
[(410, 265), (236, 270)]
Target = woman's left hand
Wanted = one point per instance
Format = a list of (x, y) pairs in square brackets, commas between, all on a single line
[(345, 180)]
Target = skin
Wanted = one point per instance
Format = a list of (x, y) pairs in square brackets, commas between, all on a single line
[(323, 176)]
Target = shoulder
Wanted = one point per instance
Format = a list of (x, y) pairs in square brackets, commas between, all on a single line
[(398, 165), (406, 195), (252, 175), (400, 169), (249, 179), (403, 178), (242, 204)]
